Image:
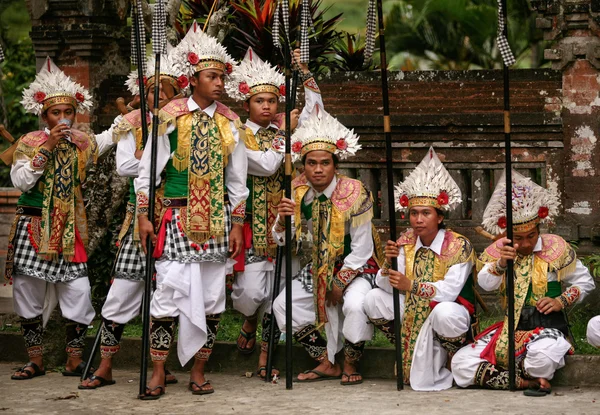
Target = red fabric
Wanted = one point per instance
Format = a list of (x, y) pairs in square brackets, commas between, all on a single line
[(246, 243), (489, 353), (162, 234), (460, 300), (80, 254)]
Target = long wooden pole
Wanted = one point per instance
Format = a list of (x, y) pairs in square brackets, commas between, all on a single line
[(510, 281), (390, 178)]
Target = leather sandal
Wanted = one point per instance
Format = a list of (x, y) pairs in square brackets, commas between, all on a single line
[(29, 374)]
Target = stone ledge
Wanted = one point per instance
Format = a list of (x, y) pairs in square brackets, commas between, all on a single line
[(581, 370)]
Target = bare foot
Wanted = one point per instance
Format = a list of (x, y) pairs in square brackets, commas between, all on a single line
[(350, 374), (325, 367), (197, 378), (72, 363), (157, 380), (541, 382), (248, 341), (262, 366)]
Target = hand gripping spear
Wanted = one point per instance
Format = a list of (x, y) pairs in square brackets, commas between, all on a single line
[(508, 60), (390, 178)]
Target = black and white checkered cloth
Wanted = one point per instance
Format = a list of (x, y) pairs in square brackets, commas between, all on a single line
[(179, 248), (1, 54), (139, 15), (304, 23), (507, 56), (275, 33), (159, 29), (370, 35), (27, 262), (306, 279), (130, 262)]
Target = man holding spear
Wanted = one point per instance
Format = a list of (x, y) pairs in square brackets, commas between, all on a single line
[(205, 193)]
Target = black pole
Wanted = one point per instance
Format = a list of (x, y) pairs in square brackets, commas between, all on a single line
[(510, 281), (92, 356), (148, 278), (390, 178)]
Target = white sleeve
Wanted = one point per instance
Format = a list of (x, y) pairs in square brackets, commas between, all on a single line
[(581, 279), (361, 246), (263, 163), (383, 281), (142, 182), (450, 287), (23, 177), (311, 98), (127, 164), (104, 140), (236, 171), (487, 280)]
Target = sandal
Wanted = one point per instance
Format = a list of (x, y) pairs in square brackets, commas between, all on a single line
[(537, 391), (103, 382), (147, 396), (321, 376), (200, 391), (348, 382), (262, 369), (248, 337), (29, 374), (171, 381), (78, 371)]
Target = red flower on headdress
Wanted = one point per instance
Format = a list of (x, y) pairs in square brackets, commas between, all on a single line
[(542, 212), (79, 97), (144, 80), (404, 201), (341, 144), (296, 147), (281, 89), (502, 222), (442, 198), (228, 68), (244, 88), (182, 82), (39, 97), (193, 58)]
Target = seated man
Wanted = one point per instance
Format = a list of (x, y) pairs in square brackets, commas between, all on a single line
[(542, 263), (331, 289), (434, 277)]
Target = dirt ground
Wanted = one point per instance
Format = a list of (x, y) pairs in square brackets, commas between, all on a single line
[(56, 394)]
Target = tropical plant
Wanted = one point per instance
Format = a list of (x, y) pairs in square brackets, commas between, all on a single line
[(350, 54)]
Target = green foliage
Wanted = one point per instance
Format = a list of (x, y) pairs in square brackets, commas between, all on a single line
[(350, 54), (592, 262)]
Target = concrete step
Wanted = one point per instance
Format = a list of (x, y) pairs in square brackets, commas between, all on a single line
[(581, 370)]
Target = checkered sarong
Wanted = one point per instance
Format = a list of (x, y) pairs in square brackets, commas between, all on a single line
[(27, 262), (1, 54), (179, 248), (130, 262), (306, 279)]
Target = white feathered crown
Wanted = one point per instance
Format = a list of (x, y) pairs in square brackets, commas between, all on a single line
[(52, 87), (321, 131), (253, 76), (197, 52), (531, 205), (168, 71), (429, 184)]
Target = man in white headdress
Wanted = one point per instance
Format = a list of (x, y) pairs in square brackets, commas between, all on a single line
[(331, 289), (437, 301), (48, 239), (261, 87), (542, 264), (203, 211)]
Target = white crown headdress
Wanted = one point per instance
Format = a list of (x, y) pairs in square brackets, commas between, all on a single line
[(321, 131), (429, 184), (168, 71), (253, 76), (52, 87), (531, 205), (198, 51)]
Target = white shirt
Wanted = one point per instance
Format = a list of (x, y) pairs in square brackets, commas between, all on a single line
[(361, 246), (447, 289), (235, 172), (127, 164), (580, 278), (24, 177)]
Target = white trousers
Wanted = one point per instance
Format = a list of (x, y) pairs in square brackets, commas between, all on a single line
[(124, 300), (190, 291), (543, 358), (74, 298), (348, 320), (593, 331), (428, 370)]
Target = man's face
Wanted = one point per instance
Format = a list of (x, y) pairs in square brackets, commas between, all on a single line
[(425, 220), (208, 84), (150, 96), (526, 241), (319, 169), (56, 113), (262, 108)]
